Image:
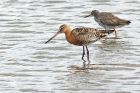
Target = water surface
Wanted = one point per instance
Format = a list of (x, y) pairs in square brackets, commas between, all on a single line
[(27, 65)]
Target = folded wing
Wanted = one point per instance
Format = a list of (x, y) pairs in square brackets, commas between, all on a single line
[(88, 35), (112, 20)]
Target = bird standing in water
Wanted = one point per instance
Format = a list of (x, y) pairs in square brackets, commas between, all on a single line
[(81, 37), (108, 21)]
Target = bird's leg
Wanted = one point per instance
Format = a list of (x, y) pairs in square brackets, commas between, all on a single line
[(105, 36), (83, 57), (115, 33), (88, 56)]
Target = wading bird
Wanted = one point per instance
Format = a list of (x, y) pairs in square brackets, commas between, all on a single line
[(108, 21), (82, 37)]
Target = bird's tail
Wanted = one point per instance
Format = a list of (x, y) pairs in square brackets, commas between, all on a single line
[(107, 31), (104, 33), (124, 22)]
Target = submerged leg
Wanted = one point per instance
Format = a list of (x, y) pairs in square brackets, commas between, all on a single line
[(88, 55), (83, 56)]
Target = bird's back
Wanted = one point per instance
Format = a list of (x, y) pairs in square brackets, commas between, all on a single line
[(108, 19), (86, 35)]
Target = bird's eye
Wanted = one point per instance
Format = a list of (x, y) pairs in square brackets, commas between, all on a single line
[(61, 28)]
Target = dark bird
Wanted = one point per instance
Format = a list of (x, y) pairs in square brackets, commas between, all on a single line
[(108, 21), (82, 37)]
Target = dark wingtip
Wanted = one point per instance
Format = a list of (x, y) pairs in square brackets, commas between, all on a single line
[(128, 22), (110, 31)]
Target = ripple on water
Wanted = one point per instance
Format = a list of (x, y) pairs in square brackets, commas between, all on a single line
[(29, 65)]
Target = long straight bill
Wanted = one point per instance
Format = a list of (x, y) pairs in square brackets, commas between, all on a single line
[(52, 37), (87, 16)]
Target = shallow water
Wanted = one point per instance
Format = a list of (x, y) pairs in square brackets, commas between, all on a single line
[(27, 65)]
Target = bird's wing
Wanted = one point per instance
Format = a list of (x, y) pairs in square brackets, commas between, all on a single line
[(110, 19), (87, 35)]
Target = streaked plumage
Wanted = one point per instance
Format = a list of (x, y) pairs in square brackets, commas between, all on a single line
[(82, 36), (107, 20), (85, 35)]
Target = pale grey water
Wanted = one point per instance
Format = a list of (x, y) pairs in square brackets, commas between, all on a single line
[(27, 65)]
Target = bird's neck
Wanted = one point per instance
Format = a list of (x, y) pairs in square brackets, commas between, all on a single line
[(70, 37), (97, 15)]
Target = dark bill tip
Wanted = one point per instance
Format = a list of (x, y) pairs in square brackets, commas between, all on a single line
[(48, 41)]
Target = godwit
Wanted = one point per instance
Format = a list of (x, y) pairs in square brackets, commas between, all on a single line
[(82, 37), (108, 21)]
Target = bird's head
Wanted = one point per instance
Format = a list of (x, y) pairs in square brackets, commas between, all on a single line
[(93, 13), (62, 29)]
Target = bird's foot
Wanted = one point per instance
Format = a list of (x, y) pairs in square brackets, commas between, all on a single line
[(88, 64), (84, 64)]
